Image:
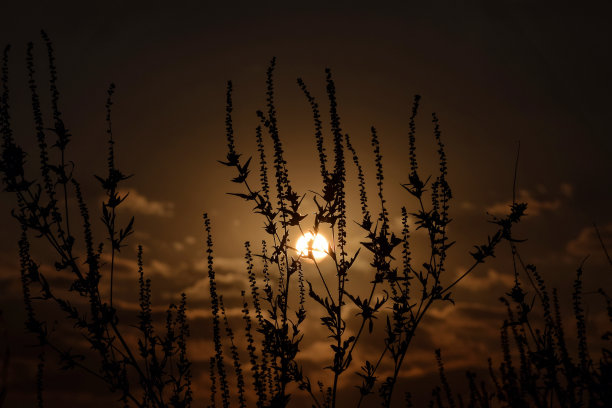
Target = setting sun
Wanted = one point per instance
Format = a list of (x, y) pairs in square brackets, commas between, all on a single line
[(312, 246)]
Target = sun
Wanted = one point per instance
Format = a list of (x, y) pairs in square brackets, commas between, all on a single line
[(312, 246)]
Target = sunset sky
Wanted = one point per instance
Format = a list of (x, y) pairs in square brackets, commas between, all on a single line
[(496, 73)]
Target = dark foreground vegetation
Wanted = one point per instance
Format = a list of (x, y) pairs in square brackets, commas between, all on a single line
[(537, 369)]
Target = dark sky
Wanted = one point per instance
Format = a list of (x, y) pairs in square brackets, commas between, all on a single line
[(496, 73)]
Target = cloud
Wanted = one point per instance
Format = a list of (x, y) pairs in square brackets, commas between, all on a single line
[(228, 285), (587, 241), (161, 268), (467, 205), (123, 266), (200, 349), (221, 263), (467, 333), (9, 266), (230, 276), (535, 206), (180, 246), (475, 281), (140, 204), (567, 189), (199, 290)]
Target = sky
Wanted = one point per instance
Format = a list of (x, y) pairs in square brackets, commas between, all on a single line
[(496, 74)]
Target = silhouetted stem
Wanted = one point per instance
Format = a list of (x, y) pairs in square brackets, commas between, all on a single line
[(603, 246)]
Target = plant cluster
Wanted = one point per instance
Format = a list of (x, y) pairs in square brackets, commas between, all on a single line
[(399, 290), (547, 374), (154, 370), (158, 362)]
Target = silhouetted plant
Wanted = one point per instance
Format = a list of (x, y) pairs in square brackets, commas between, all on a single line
[(160, 365), (156, 371), (547, 374), (281, 336)]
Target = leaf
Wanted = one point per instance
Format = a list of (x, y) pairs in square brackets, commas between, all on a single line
[(248, 197)]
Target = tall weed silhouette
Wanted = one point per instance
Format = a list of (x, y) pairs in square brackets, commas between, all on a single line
[(547, 372), (408, 290), (153, 372)]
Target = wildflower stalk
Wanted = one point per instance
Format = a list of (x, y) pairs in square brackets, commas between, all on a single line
[(39, 214), (215, 307), (407, 311)]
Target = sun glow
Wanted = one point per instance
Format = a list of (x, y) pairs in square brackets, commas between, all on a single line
[(312, 246)]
